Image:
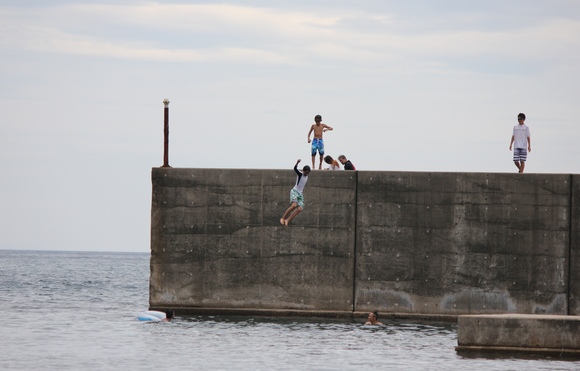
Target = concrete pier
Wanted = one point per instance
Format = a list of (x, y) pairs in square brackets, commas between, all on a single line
[(546, 334), (412, 243)]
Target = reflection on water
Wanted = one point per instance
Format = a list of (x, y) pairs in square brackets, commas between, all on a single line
[(78, 311), (289, 343)]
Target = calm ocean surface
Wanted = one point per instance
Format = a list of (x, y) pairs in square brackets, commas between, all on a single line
[(77, 311)]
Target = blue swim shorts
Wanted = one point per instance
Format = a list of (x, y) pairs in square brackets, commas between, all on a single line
[(520, 154), (297, 197), (317, 145)]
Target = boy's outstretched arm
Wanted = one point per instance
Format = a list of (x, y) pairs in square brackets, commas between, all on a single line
[(327, 128), (296, 167)]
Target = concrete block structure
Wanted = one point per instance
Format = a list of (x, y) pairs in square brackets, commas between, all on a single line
[(217, 241), (417, 243), (549, 334), (462, 242)]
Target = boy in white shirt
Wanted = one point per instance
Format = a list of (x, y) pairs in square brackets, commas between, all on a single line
[(296, 196), (521, 142)]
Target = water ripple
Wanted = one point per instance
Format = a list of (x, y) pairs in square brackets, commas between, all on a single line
[(71, 310)]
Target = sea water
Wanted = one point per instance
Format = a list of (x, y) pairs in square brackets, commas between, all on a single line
[(78, 311)]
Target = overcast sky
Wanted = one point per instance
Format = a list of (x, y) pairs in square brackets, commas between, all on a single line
[(432, 85)]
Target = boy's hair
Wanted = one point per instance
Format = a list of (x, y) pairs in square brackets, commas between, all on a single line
[(317, 118), (521, 116), (169, 313), (328, 159), (342, 156), (376, 315), (306, 168)]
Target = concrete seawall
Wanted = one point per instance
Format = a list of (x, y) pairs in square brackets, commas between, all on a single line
[(397, 242), (554, 335)]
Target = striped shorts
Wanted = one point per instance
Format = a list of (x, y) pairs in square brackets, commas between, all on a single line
[(520, 154)]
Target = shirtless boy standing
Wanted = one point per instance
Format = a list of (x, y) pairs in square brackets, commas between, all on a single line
[(317, 143)]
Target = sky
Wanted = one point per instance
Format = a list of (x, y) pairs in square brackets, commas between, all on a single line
[(432, 85)]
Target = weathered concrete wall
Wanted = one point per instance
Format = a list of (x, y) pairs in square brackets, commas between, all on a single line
[(574, 277), (431, 243), (217, 240), (462, 242), (554, 334)]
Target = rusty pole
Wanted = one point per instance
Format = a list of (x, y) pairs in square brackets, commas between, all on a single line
[(166, 133)]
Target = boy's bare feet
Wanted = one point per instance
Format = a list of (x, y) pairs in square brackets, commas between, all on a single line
[(286, 223), (282, 221)]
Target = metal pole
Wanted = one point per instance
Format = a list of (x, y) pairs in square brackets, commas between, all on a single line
[(166, 133)]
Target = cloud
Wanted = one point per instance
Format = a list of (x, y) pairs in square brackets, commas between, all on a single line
[(54, 41), (207, 33)]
